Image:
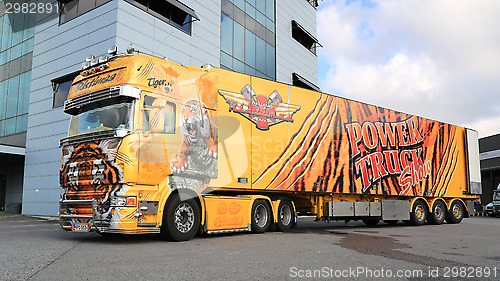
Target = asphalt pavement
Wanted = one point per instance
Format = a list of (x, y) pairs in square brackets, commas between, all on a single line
[(37, 249)]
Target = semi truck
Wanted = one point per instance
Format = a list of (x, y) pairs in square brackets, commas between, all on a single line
[(176, 150)]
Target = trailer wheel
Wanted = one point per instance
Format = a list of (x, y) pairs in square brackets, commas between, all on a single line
[(438, 213), (285, 215), (418, 214), (371, 222), (181, 220), (456, 212), (261, 216)]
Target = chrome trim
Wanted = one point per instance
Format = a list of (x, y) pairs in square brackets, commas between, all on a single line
[(227, 230), (75, 216), (130, 231)]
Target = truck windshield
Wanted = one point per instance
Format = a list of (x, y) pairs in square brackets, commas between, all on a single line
[(116, 116)]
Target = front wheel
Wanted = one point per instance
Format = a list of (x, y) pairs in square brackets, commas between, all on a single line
[(261, 216), (456, 212), (181, 220)]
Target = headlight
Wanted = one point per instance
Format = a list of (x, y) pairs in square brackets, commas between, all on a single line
[(116, 201)]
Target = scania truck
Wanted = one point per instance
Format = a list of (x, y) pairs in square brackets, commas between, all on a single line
[(158, 147)]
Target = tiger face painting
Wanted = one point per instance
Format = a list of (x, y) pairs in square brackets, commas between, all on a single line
[(88, 171), (198, 152)]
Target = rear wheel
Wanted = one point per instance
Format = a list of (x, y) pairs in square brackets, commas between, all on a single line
[(438, 213), (285, 215), (261, 216), (456, 212), (371, 222), (419, 213), (181, 219)]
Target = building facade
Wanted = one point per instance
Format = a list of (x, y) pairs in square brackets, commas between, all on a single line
[(273, 39), (489, 157)]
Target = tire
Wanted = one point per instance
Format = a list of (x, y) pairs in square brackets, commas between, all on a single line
[(438, 213), (181, 220), (286, 216), (371, 222), (456, 212), (261, 216), (391, 222), (418, 214)]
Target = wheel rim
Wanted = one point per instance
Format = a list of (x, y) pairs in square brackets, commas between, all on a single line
[(184, 217), (456, 211), (438, 212), (420, 212), (261, 215), (285, 215)]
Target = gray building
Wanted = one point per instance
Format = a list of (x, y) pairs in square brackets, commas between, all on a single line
[(41, 52), (489, 156)]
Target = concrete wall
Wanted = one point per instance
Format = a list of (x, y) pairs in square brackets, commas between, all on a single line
[(291, 56), (58, 50)]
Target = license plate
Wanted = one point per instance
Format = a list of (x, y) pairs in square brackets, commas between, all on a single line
[(80, 227)]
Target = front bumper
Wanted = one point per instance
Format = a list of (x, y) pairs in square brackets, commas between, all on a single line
[(95, 220)]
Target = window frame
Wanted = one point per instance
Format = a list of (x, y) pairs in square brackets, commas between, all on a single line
[(57, 82), (62, 4), (304, 37), (168, 19)]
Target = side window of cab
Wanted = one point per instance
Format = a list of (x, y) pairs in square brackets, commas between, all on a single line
[(158, 115)]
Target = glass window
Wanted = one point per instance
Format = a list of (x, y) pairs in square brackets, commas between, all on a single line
[(238, 66), (239, 42), (69, 11), (60, 88), (12, 97), (240, 4), (74, 8), (251, 29), (226, 60), (85, 6), (261, 55), (226, 31), (17, 30), (169, 11), (115, 116), (269, 8), (250, 10), (22, 123), (261, 5), (157, 110), (3, 98), (270, 59), (249, 48), (10, 126)]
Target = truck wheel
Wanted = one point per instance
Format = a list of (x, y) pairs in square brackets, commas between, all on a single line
[(285, 215), (418, 214), (456, 212), (371, 222), (181, 220), (438, 213), (261, 216)]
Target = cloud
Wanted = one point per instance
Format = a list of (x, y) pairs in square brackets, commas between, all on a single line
[(437, 59)]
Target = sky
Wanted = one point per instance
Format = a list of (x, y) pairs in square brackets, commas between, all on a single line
[(438, 59)]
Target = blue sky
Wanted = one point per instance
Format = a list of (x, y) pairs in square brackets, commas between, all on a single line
[(439, 59)]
